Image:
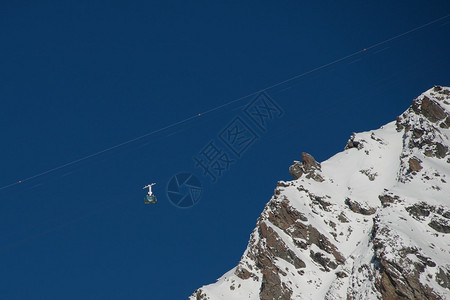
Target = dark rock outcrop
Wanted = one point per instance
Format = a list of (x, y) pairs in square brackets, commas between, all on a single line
[(273, 288), (432, 110), (359, 208), (397, 280), (309, 167), (387, 199), (352, 143), (420, 210), (199, 295), (443, 278), (421, 124), (440, 225), (414, 164)]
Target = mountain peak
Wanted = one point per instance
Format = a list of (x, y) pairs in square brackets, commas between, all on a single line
[(371, 222), (431, 109), (434, 105)]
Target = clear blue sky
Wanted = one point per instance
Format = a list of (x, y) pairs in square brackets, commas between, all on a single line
[(78, 77)]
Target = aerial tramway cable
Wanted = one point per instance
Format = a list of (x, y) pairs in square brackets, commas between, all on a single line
[(364, 50)]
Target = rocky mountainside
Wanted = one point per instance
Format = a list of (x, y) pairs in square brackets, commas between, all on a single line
[(371, 222)]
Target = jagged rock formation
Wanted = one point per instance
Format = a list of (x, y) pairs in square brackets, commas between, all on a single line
[(309, 166), (371, 222)]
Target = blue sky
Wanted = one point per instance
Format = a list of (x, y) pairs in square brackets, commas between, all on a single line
[(79, 77)]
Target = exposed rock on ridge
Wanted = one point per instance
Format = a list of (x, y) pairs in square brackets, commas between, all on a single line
[(309, 166)]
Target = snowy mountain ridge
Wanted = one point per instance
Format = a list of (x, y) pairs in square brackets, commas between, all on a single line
[(371, 222)]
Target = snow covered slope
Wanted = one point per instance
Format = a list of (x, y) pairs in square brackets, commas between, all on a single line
[(371, 222)]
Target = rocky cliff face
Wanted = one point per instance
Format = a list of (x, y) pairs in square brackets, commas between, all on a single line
[(372, 222)]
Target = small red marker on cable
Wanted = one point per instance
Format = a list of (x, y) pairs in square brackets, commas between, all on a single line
[(364, 49)]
